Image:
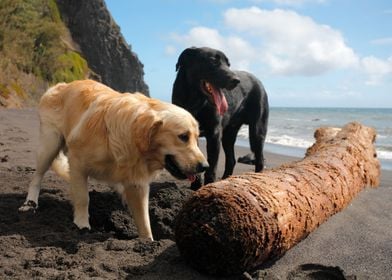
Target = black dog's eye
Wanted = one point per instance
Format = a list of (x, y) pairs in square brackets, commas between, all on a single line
[(184, 137), (216, 59)]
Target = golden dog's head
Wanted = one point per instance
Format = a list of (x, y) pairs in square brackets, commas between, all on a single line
[(169, 138)]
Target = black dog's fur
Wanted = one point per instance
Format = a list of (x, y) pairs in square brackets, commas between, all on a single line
[(203, 70)]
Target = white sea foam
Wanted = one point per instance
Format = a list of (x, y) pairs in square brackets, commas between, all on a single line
[(287, 140), (273, 138), (387, 155), (243, 133), (296, 142)]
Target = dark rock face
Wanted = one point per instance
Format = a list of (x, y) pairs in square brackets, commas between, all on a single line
[(103, 45)]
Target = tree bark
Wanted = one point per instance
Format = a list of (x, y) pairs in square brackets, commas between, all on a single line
[(237, 224)]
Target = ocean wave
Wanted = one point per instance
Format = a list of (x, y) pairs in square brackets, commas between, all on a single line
[(243, 132), (383, 146), (383, 152), (294, 119), (387, 155), (286, 140)]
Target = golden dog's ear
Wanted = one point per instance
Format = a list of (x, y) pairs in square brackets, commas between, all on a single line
[(125, 135), (145, 129)]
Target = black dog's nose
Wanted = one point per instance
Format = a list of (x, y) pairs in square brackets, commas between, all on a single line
[(201, 167)]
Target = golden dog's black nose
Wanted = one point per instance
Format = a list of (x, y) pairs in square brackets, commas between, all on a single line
[(201, 167)]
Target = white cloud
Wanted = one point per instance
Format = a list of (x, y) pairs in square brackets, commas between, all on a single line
[(278, 2), (292, 44), (284, 41), (201, 36), (291, 2), (170, 50), (376, 69), (237, 49)]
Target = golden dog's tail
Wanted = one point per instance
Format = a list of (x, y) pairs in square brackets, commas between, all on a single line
[(60, 165)]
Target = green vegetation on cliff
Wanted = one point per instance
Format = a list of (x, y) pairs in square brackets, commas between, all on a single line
[(36, 50)]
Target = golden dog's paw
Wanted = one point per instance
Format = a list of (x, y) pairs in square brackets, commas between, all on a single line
[(28, 206), (81, 231), (82, 224)]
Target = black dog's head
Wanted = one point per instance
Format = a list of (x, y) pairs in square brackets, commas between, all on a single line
[(208, 70)]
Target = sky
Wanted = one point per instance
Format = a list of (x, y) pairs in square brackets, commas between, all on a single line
[(307, 53)]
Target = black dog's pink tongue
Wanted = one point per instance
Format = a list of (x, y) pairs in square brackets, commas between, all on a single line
[(219, 100)]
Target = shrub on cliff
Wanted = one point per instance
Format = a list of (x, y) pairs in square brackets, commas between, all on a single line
[(36, 50)]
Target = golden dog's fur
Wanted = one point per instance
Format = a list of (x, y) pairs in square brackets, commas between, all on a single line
[(118, 138)]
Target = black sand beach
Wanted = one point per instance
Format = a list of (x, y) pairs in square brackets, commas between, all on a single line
[(353, 244)]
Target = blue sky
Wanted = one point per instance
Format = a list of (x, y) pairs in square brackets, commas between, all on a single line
[(307, 53)]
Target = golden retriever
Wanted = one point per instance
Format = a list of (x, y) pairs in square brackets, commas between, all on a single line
[(118, 138)]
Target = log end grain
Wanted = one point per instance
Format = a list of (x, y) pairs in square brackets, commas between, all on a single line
[(221, 232)]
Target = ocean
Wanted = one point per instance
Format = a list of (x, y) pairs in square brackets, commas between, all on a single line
[(290, 130)]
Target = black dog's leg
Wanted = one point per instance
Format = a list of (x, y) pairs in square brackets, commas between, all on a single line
[(228, 141), (256, 138), (213, 149)]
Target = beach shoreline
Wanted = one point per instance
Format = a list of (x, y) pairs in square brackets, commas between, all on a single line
[(291, 130), (297, 152), (354, 242)]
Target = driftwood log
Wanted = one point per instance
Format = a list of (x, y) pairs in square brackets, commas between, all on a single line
[(237, 224)]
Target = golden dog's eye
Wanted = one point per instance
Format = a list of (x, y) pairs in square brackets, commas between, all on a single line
[(184, 137)]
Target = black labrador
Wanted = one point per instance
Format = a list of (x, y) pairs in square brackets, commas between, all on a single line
[(222, 101)]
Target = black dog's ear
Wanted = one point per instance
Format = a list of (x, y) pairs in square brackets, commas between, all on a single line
[(227, 61), (224, 58), (185, 57)]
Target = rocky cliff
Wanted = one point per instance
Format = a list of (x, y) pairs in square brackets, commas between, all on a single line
[(102, 44), (43, 42)]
